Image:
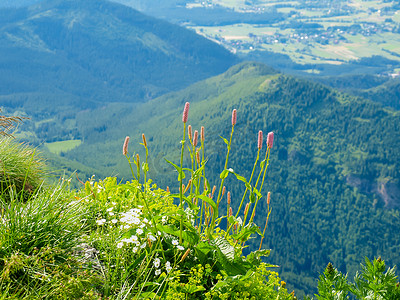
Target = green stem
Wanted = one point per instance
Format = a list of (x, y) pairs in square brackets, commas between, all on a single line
[(215, 213), (251, 177), (180, 183), (262, 183)]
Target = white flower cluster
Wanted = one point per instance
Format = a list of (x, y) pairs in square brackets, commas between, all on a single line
[(176, 244), (157, 264)]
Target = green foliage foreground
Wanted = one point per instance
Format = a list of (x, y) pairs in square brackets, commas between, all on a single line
[(113, 240)]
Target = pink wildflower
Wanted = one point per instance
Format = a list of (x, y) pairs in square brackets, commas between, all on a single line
[(125, 147), (185, 112), (270, 139), (234, 117), (195, 138), (260, 139)]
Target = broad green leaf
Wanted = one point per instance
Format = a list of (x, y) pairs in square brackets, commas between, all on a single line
[(226, 249), (246, 232), (209, 201)]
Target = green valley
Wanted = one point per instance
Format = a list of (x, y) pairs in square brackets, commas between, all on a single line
[(334, 177)]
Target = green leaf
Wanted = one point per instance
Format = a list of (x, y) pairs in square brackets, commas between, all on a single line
[(232, 220), (252, 197), (202, 250), (177, 169), (210, 202), (145, 167), (190, 235), (255, 256), (246, 232), (226, 249), (257, 193), (224, 174), (226, 258), (262, 163), (136, 262), (225, 140)]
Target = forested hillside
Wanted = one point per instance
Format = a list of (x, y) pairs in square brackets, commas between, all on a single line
[(334, 170), (69, 54)]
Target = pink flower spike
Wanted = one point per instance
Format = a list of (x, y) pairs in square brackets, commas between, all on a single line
[(190, 132), (195, 138), (185, 112), (260, 139), (270, 139), (234, 117), (125, 147)]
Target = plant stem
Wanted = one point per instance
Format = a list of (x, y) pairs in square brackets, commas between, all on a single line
[(251, 177)]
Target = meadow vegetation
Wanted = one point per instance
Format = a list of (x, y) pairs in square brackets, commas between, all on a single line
[(133, 240)]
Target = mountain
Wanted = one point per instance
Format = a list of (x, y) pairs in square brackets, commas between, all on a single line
[(71, 53), (334, 168)]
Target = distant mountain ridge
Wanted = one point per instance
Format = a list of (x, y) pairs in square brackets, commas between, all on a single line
[(98, 51)]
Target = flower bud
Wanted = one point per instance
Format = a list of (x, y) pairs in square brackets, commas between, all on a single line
[(234, 117), (185, 112), (268, 197), (195, 138), (260, 139), (202, 134), (190, 133), (125, 147), (270, 139), (144, 140)]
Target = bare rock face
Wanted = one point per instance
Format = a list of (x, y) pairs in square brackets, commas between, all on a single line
[(388, 191)]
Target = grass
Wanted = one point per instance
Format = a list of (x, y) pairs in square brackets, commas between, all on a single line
[(62, 146)]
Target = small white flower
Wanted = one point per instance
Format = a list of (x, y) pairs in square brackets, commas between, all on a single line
[(110, 209), (157, 272), (168, 266), (139, 231), (175, 242), (101, 222), (156, 263), (164, 219), (145, 221), (127, 227), (180, 247), (113, 203), (230, 170), (135, 249), (111, 213), (120, 245), (142, 246), (151, 238), (114, 221)]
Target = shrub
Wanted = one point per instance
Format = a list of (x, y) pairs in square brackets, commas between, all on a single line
[(372, 283)]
